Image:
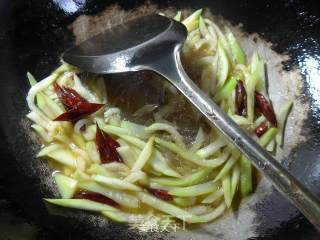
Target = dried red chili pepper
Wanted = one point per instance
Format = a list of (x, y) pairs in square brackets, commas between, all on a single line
[(77, 107), (261, 129), (265, 108), (106, 146), (82, 194), (111, 142), (68, 97), (256, 109), (162, 194), (82, 109), (241, 99)]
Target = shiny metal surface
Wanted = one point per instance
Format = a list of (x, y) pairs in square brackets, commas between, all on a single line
[(154, 44), (132, 46)]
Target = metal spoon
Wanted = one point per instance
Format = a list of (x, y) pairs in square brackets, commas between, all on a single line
[(154, 43)]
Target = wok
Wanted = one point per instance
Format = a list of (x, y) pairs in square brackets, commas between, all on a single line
[(33, 34)]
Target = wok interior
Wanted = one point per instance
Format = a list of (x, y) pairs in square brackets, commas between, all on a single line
[(260, 210)]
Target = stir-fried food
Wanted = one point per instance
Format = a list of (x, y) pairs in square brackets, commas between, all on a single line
[(124, 170)]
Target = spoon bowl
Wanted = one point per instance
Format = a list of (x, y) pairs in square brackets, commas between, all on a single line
[(133, 46)]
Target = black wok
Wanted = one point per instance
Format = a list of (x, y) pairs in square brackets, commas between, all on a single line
[(33, 34)]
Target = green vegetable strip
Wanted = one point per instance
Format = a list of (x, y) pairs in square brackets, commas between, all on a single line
[(198, 209), (128, 155), (31, 79), (240, 120), (205, 62), (116, 167), (194, 40), (190, 156), (245, 164), (245, 176), (230, 163), (192, 22), (137, 176), (214, 214), (115, 183), (80, 176), (191, 36), (135, 130), (223, 105), (133, 140), (155, 185), (231, 104), (66, 185), (221, 37), (168, 208), (184, 201), (157, 161), (82, 204), (194, 190), (64, 68), (203, 28), (43, 106), (120, 197), (192, 179), (199, 140), (212, 147), (60, 154), (120, 216), (235, 178), (53, 106), (168, 128), (209, 34), (237, 52), (115, 216), (223, 65), (258, 72), (98, 169), (144, 155), (41, 132), (114, 130), (79, 141), (227, 89), (45, 103), (271, 145), (282, 118), (213, 196), (250, 84), (178, 16), (33, 92), (226, 185), (267, 136)]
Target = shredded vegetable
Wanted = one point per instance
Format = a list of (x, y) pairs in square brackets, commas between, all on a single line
[(129, 170)]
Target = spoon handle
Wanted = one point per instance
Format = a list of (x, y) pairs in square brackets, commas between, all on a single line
[(282, 180)]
